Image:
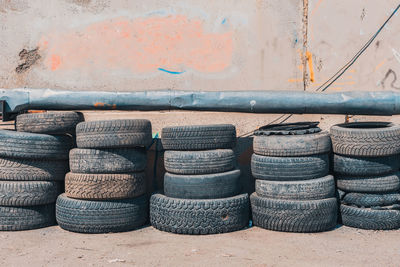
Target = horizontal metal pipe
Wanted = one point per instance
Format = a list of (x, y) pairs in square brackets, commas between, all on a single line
[(296, 102)]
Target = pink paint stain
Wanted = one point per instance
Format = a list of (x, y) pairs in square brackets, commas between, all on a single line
[(142, 45)]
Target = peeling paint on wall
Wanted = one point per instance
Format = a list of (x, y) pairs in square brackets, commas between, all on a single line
[(171, 44)]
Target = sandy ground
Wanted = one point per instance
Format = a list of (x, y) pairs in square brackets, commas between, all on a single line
[(343, 246)]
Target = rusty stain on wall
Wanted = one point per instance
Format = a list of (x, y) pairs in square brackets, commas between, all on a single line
[(30, 57), (173, 43), (310, 65)]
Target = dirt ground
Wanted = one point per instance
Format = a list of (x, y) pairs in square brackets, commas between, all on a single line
[(254, 246)]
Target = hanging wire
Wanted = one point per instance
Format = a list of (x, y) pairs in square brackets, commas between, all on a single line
[(341, 71)]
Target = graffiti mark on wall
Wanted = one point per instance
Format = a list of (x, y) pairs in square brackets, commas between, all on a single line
[(171, 44), (390, 73)]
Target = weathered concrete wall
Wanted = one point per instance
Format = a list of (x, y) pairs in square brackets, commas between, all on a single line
[(136, 45)]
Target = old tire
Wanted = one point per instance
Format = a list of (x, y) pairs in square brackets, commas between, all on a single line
[(26, 218), (25, 193), (202, 186), (105, 186), (118, 160), (113, 134), (292, 145), (319, 188), (366, 139), (194, 217), (289, 168), (199, 137), (360, 166), (373, 184), (32, 169), (371, 200), (85, 216), (369, 219), (34, 146), (199, 162), (51, 122), (294, 215)]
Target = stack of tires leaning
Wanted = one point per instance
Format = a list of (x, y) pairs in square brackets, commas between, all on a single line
[(33, 164), (366, 164), (294, 192), (106, 188), (201, 185)]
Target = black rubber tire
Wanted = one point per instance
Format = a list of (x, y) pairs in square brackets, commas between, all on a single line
[(105, 186), (202, 186), (199, 137), (319, 188), (34, 146), (199, 217), (367, 139), (374, 184), (289, 168), (113, 134), (303, 216), (360, 166), (292, 145), (32, 169), (199, 162), (26, 218), (50, 122), (371, 200), (18, 194), (117, 160), (366, 218), (84, 216)]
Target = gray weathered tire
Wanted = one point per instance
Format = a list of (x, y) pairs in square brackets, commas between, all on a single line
[(369, 219), (289, 168), (25, 193), (105, 186), (294, 215), (84, 216), (34, 146), (50, 122), (113, 134), (292, 145), (32, 169), (373, 184), (26, 218), (117, 160), (319, 188), (199, 162), (199, 216), (199, 137), (371, 200), (366, 139), (369, 166), (202, 186)]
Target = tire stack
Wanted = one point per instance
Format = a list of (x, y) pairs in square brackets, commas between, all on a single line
[(201, 185), (366, 165), (33, 164), (106, 188), (294, 192)]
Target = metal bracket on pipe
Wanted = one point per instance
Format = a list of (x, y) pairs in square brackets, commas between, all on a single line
[(6, 116)]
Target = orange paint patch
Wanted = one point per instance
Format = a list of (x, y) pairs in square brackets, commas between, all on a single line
[(55, 62), (142, 45), (380, 64)]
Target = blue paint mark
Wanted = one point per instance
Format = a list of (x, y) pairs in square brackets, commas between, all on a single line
[(295, 41), (223, 21), (171, 72)]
